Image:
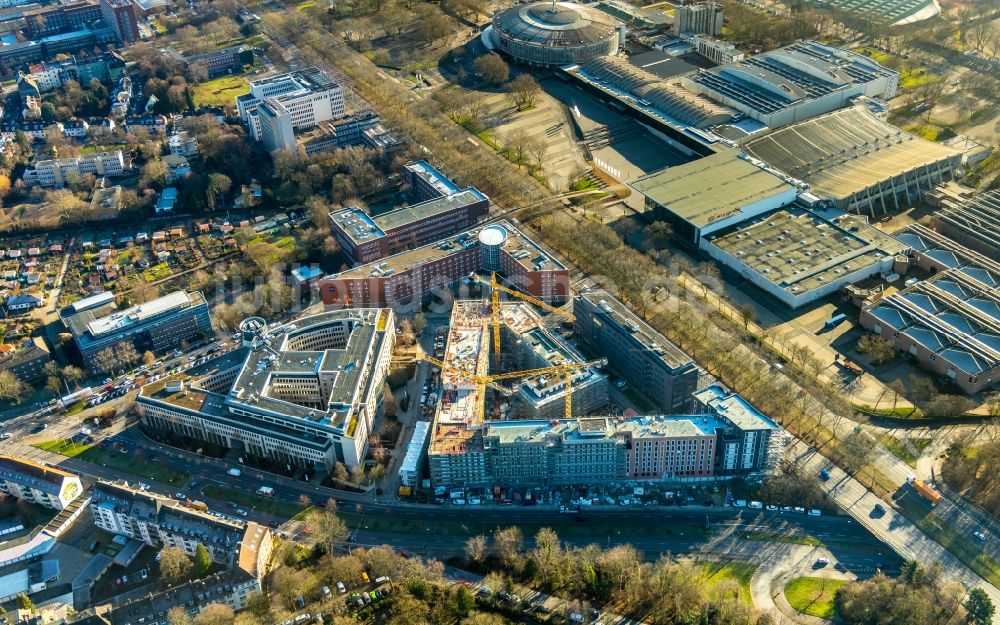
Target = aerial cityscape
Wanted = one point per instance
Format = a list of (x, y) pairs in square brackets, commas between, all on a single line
[(500, 312)]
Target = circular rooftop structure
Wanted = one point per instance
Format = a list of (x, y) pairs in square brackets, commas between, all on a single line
[(553, 34), (493, 235)]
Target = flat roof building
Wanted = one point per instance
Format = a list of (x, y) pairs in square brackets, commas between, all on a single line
[(527, 343), (794, 83), (635, 351), (38, 483), (749, 442), (444, 209), (416, 454), (604, 450), (414, 274), (155, 326), (894, 12), (711, 193), (636, 16), (699, 18), (798, 257), (304, 394), (278, 107), (856, 161), (656, 95)]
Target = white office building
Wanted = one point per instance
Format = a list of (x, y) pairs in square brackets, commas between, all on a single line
[(58, 171), (277, 106), (38, 483)]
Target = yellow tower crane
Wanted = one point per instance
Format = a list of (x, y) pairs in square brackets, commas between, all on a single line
[(482, 381), (495, 288), (566, 369)]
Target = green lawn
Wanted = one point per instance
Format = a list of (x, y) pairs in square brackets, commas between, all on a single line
[(813, 595), (925, 131), (876, 55), (91, 149), (775, 537), (907, 450), (114, 460), (220, 92), (250, 500), (305, 6), (913, 79), (739, 572)]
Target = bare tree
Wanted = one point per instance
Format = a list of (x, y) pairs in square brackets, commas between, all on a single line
[(515, 144), (475, 548), (536, 149), (508, 542), (523, 91)]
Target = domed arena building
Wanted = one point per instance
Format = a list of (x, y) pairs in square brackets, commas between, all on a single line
[(552, 34)]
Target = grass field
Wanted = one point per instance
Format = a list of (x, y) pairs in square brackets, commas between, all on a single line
[(250, 500), (91, 149), (925, 131), (813, 595), (121, 462), (220, 92), (739, 572), (907, 450)]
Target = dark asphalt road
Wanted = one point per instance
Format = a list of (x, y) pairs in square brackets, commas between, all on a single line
[(853, 545)]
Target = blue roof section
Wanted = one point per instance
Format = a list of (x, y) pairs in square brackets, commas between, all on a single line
[(891, 316), (944, 257), (307, 273), (913, 240), (985, 306), (993, 340), (926, 337), (964, 360), (959, 322), (956, 289), (982, 275), (922, 301)]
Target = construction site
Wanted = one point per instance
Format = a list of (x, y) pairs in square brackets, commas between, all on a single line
[(503, 361), (520, 404)]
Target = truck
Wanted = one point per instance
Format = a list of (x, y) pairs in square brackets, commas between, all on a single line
[(68, 400), (265, 491), (926, 490), (835, 321), (405, 491), (234, 472)]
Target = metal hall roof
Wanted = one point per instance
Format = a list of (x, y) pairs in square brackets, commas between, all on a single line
[(555, 24)]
